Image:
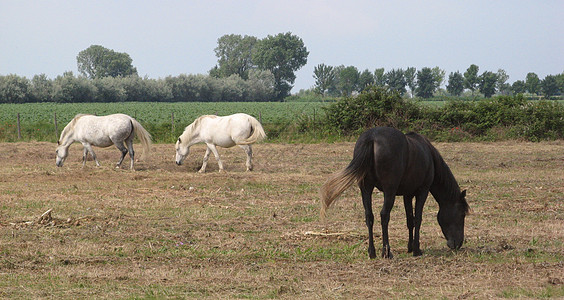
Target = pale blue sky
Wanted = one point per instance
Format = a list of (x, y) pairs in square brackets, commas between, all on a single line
[(174, 37)]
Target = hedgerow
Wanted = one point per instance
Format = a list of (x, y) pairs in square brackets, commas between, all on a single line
[(495, 118)]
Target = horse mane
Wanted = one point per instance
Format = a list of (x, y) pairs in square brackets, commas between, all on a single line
[(189, 130), (444, 178), (71, 124)]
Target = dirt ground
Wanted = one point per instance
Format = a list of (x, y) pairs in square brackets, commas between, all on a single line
[(166, 231)]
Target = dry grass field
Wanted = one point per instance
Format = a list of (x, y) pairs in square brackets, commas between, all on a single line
[(165, 231)]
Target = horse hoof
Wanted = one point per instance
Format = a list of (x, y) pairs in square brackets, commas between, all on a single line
[(417, 252), (386, 253)]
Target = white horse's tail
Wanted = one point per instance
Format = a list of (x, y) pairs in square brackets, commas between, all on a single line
[(257, 133), (144, 137)]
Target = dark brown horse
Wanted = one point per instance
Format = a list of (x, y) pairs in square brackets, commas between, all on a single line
[(406, 165)]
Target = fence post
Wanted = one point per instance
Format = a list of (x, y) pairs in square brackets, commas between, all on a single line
[(56, 128), (172, 123), (19, 128), (314, 124)]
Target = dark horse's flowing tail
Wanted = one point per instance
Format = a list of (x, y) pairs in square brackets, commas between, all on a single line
[(362, 162)]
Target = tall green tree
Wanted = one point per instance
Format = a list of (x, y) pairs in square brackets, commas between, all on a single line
[(410, 79), (549, 86), (439, 76), (560, 82), (502, 86), (455, 84), (348, 80), (488, 81), (532, 82), (282, 55), (234, 53), (97, 62), (380, 77), (366, 79), (425, 83), (325, 78), (395, 80), (471, 80), (518, 87)]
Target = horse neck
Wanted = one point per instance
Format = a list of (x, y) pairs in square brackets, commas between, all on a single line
[(191, 135), (67, 137), (444, 188)]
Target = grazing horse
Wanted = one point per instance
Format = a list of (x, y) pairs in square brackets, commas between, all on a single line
[(228, 131), (407, 165), (102, 132)]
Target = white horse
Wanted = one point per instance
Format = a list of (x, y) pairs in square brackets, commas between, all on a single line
[(238, 129), (102, 132)]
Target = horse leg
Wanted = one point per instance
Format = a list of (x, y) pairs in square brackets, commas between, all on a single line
[(216, 154), (205, 162), (249, 152), (389, 199), (88, 148), (408, 204), (419, 203), (129, 142), (123, 150), (84, 156), (366, 191)]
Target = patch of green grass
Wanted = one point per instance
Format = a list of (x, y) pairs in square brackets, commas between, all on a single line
[(550, 291), (495, 256), (304, 219)]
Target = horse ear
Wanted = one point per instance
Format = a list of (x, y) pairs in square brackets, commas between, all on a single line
[(463, 194)]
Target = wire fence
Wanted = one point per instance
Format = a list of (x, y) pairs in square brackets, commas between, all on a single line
[(165, 131)]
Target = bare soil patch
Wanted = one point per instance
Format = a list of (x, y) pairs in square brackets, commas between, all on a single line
[(167, 231)]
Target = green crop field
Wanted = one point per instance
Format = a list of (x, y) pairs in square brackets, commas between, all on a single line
[(37, 119), (153, 112), (283, 121)]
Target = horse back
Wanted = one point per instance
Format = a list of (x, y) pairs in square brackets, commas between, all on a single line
[(402, 163), (103, 131)]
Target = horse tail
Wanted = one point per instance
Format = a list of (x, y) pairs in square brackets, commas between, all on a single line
[(257, 133), (144, 137), (362, 162)]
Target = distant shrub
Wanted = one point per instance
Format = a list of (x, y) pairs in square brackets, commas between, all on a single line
[(376, 106), (487, 119)]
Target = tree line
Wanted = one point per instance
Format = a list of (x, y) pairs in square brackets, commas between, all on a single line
[(253, 69), (69, 88), (425, 83), (248, 69)]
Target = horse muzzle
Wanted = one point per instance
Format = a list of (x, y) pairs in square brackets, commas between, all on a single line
[(178, 163), (454, 245)]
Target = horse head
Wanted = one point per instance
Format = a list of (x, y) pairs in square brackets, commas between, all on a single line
[(62, 153), (182, 151), (451, 219)]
